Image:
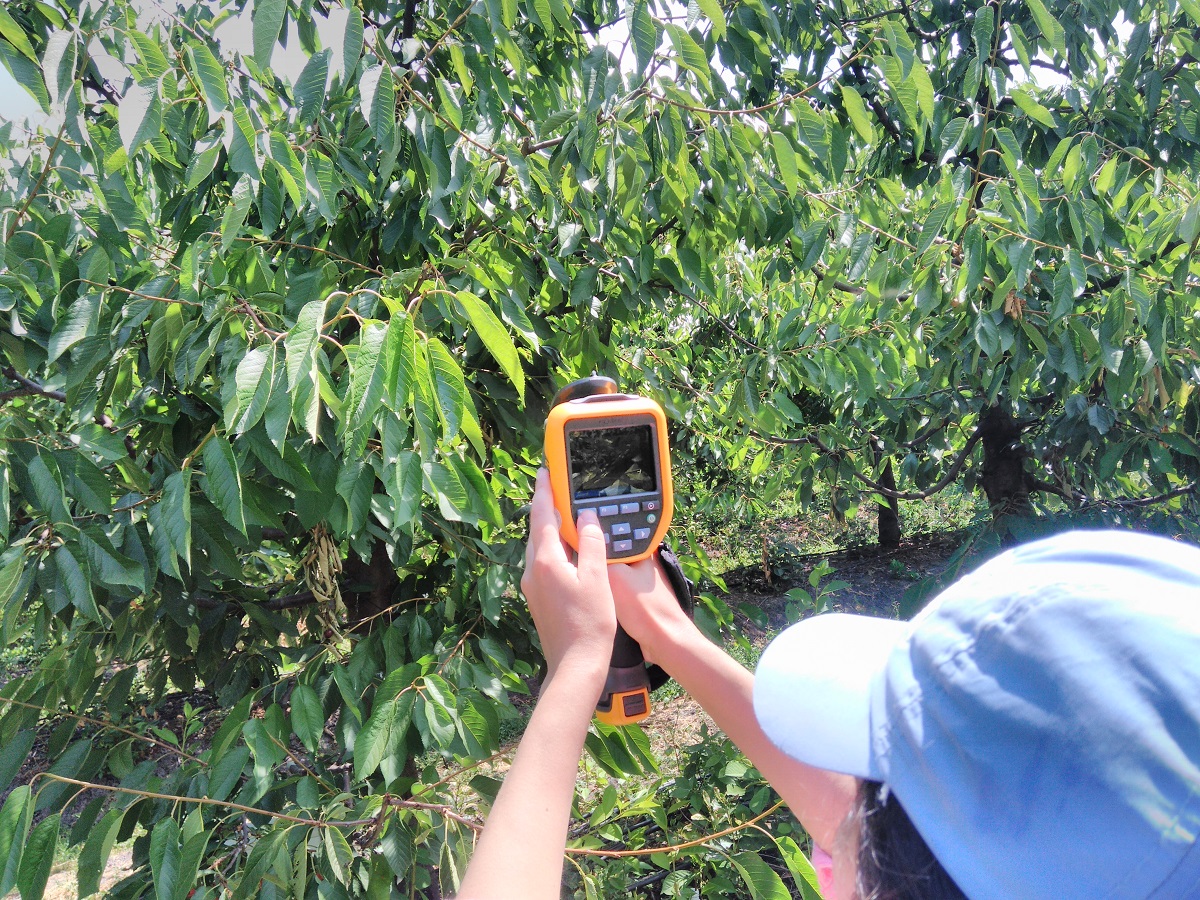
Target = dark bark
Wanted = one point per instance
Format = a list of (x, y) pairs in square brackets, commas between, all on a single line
[(889, 511), (1003, 476), (368, 587)]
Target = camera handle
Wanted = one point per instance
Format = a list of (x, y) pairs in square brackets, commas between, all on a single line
[(626, 696)]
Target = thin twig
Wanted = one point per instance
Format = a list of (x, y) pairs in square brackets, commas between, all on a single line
[(49, 164), (100, 723), (650, 851)]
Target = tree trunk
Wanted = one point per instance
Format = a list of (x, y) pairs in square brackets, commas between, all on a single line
[(1003, 476), (368, 588), (889, 507)]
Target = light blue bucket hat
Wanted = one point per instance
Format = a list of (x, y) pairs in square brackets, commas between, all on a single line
[(1039, 721)]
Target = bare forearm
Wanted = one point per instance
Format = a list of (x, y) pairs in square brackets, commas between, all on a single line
[(520, 853), (820, 799)]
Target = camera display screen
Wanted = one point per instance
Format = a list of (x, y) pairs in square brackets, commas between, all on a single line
[(609, 462)]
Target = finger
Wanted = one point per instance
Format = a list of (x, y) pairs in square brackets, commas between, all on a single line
[(544, 536), (638, 577), (593, 556)]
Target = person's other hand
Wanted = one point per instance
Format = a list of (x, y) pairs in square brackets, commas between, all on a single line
[(647, 607), (571, 602)]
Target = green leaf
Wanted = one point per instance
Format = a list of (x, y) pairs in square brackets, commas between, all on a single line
[(365, 393), (406, 493), (1051, 30), (12, 757), (856, 111), (48, 490), (58, 65), (351, 44), (338, 854), (5, 515), (227, 772), (691, 56), (494, 336), (223, 481), (162, 337), (78, 323), (301, 346), (253, 379), (15, 35), (449, 386), (15, 817), (176, 510), (164, 860), (211, 74), (803, 873), (378, 92), (268, 850), (308, 716), (139, 117), (287, 164), (925, 96), (38, 858), (952, 138), (712, 9), (312, 84), (481, 499), (449, 491), (28, 75), (235, 213), (1024, 99), (760, 878), (372, 743), (94, 856), (400, 361), (932, 228), (785, 158), (644, 33), (241, 141), (107, 564), (267, 22), (74, 579)]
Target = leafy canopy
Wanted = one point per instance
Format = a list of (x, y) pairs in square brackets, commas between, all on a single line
[(278, 348)]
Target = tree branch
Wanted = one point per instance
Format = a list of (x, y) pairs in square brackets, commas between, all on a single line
[(1141, 502), (291, 601), (946, 480), (29, 386), (918, 30)]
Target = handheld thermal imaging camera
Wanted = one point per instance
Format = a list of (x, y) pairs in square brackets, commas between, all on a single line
[(608, 452)]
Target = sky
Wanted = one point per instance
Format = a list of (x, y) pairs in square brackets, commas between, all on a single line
[(234, 35), (17, 105)]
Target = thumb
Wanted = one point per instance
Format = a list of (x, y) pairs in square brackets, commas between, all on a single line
[(592, 553)]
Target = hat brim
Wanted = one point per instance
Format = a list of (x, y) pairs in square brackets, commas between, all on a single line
[(814, 686)]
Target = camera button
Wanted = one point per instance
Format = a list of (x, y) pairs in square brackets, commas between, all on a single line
[(651, 506), (622, 546), (607, 511), (620, 528), (627, 508), (641, 534)]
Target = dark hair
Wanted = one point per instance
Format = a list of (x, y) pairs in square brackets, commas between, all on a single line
[(894, 862)]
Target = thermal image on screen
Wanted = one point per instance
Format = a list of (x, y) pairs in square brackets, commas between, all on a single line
[(610, 462)]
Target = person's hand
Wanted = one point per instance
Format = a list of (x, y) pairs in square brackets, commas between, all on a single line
[(647, 607), (571, 602)]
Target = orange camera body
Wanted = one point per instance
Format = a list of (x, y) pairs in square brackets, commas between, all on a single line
[(608, 452)]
